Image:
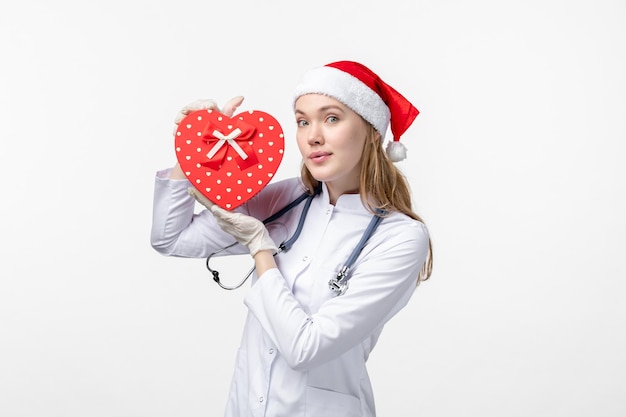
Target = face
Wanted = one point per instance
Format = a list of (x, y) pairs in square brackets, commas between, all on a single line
[(331, 138)]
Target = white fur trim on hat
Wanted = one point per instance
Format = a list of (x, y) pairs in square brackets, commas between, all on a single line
[(396, 151), (350, 91)]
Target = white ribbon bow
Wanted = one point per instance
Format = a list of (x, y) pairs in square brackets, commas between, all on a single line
[(230, 138)]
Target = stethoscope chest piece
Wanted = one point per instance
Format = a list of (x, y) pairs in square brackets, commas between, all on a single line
[(339, 285)]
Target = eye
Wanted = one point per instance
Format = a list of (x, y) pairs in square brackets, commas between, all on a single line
[(332, 119), (302, 123)]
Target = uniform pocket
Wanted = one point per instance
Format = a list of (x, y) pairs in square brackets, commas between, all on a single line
[(324, 403)]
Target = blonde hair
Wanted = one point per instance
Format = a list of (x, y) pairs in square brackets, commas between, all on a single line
[(381, 182)]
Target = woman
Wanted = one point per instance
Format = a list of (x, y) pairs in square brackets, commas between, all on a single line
[(305, 347)]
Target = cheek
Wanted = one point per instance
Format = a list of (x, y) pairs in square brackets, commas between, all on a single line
[(300, 141), (354, 143)]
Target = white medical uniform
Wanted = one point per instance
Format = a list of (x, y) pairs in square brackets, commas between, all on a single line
[(303, 350)]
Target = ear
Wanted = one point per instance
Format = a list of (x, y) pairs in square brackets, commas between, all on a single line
[(376, 137)]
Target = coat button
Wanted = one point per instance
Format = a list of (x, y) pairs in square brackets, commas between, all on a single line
[(261, 399), (271, 351)]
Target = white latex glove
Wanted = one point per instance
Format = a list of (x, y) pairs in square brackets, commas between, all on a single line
[(205, 104), (247, 230)]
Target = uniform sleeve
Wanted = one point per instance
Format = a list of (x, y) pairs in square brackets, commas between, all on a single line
[(381, 285), (176, 229)]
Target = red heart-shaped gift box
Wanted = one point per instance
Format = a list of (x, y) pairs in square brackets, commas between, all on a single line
[(229, 159)]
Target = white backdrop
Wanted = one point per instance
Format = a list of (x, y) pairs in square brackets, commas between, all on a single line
[(516, 164)]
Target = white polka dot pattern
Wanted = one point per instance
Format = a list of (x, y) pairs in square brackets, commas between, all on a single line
[(229, 160)]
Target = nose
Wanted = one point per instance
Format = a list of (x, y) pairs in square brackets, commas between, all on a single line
[(315, 135)]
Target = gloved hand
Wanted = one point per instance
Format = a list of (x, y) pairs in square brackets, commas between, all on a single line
[(247, 230), (205, 104)]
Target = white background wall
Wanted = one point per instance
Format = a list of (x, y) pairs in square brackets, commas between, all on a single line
[(516, 163)]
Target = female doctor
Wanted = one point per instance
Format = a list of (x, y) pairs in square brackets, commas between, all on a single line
[(305, 345)]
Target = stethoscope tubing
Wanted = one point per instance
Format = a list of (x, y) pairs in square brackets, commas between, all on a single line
[(339, 284), (283, 247)]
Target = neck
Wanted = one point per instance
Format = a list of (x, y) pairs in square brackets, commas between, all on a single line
[(336, 190)]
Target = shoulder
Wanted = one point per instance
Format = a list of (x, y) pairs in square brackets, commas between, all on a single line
[(399, 230), (399, 220), (275, 196), (281, 186)]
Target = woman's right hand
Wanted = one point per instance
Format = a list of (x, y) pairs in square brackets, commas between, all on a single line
[(205, 104), (202, 104)]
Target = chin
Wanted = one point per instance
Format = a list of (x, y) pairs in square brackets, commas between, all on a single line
[(320, 175)]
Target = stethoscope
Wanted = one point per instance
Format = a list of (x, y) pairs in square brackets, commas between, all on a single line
[(337, 285)]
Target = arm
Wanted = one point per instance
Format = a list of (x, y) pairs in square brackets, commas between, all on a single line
[(177, 173), (176, 230), (264, 261), (381, 285)]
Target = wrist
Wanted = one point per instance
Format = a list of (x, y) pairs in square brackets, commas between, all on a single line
[(261, 241), (177, 173), (264, 260)]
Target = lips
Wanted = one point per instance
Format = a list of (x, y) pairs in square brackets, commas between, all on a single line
[(319, 156)]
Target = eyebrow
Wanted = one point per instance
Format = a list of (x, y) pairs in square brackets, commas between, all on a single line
[(323, 109)]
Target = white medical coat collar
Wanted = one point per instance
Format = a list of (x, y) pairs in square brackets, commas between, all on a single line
[(350, 202)]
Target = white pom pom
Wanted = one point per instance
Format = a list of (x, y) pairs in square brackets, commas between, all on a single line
[(396, 151)]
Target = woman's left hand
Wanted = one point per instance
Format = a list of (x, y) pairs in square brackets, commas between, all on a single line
[(247, 230)]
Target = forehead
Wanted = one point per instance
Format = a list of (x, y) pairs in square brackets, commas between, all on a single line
[(316, 102)]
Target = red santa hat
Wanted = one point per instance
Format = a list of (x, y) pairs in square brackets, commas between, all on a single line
[(366, 94)]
